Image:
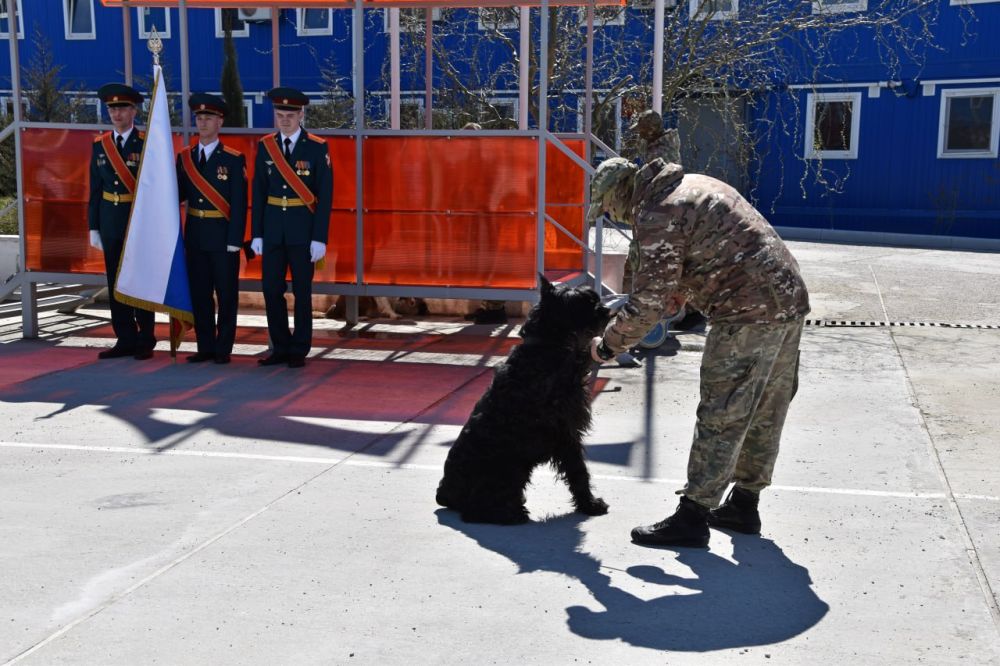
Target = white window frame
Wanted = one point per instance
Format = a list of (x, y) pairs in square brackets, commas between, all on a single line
[(302, 31), (513, 102), (220, 33), (695, 6), (580, 110), (970, 2), (248, 111), (141, 23), (68, 22), (821, 7), (619, 18), (435, 18), (992, 151), (93, 101), (9, 99), (810, 134), (5, 34), (513, 24), (406, 100)]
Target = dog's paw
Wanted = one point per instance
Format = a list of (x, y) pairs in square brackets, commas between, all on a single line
[(595, 506)]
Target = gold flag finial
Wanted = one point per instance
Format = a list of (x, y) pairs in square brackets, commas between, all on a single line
[(155, 46)]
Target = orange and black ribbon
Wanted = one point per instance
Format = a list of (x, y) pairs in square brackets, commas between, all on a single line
[(117, 163), (292, 178), (202, 185)]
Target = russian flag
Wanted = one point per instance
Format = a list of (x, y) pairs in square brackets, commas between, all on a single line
[(153, 273)]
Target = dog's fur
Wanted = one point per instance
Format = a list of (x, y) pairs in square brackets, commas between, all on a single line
[(535, 411)]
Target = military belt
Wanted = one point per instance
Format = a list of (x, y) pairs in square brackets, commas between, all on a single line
[(196, 212), (285, 202), (116, 198)]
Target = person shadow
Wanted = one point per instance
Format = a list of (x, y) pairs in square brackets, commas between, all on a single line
[(761, 598)]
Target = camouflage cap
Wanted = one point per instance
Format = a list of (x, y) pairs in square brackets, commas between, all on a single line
[(648, 124), (609, 174)]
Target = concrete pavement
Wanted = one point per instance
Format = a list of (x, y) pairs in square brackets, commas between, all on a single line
[(168, 513)]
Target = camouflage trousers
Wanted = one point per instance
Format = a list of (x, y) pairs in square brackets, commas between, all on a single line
[(749, 375)]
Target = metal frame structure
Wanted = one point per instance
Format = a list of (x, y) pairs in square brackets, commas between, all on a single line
[(27, 280)]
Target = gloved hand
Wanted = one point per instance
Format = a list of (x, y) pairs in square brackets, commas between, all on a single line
[(317, 251), (599, 351), (257, 245), (95, 240), (232, 248)]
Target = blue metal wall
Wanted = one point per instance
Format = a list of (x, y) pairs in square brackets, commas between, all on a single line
[(897, 184)]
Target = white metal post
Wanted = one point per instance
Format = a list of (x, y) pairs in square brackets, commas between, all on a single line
[(358, 76), (29, 301), (275, 47), (429, 68), (543, 130), (524, 82), (185, 73), (588, 125), (127, 40), (394, 67), (658, 18)]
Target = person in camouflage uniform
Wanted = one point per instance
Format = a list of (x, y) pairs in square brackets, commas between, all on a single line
[(702, 243)]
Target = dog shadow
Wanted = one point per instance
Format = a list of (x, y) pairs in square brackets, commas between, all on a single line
[(760, 599)]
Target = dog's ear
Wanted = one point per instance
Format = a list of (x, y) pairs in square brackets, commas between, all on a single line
[(544, 286)]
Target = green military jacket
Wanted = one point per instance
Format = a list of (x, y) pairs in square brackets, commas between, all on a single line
[(104, 213)]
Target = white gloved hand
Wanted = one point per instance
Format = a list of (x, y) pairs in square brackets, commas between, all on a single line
[(257, 245), (232, 248), (317, 251), (599, 351), (95, 240)]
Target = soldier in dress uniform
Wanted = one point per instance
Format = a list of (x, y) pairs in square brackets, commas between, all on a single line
[(702, 243), (292, 198), (114, 163), (212, 178)]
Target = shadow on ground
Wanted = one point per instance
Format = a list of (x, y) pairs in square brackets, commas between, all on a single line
[(761, 599), (242, 399)]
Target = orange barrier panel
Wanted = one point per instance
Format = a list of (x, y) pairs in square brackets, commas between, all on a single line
[(439, 211)]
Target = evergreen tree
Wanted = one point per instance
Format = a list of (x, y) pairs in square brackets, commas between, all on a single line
[(232, 88)]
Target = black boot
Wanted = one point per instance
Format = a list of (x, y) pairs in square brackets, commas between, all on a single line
[(687, 527), (738, 512)]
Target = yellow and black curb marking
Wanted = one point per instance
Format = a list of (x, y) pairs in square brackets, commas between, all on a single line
[(843, 323)]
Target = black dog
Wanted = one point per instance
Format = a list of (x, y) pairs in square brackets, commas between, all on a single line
[(535, 411)]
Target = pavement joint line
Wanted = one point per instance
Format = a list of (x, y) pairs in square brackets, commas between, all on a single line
[(115, 598), (989, 597), (381, 464), (881, 300)]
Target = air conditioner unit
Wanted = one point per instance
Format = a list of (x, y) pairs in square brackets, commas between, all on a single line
[(254, 14), (642, 5)]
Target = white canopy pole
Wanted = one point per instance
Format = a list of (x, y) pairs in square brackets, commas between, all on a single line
[(658, 18), (394, 67), (524, 82)]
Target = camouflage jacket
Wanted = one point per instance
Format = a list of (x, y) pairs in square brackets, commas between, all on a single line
[(700, 239), (666, 146)]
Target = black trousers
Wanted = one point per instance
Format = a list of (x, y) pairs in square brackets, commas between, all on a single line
[(133, 326), (214, 276), (276, 260)]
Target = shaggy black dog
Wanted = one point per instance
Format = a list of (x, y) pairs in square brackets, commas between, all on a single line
[(535, 411)]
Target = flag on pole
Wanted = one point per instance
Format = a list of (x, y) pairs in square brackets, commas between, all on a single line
[(153, 274)]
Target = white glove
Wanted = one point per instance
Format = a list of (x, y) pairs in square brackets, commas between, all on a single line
[(95, 240), (232, 248), (317, 251), (257, 245), (599, 351)]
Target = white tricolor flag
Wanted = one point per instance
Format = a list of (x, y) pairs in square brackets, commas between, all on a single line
[(153, 274)]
